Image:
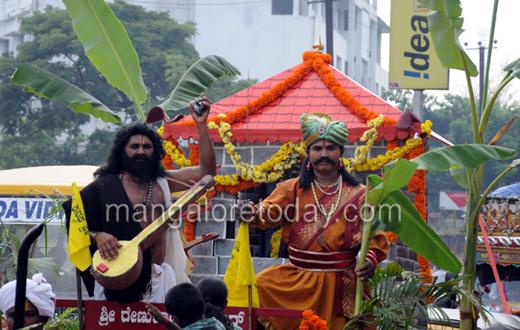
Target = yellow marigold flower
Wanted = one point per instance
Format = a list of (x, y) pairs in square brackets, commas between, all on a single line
[(221, 115), (363, 149), (160, 131), (370, 143), (212, 125)]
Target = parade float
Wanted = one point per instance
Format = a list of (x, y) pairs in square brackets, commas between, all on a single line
[(499, 271), (258, 140)]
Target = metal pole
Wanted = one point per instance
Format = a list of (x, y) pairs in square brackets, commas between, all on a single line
[(21, 274), (329, 29), (80, 299), (418, 103)]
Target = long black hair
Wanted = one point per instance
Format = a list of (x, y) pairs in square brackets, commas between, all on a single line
[(307, 176), (215, 293), (114, 163)]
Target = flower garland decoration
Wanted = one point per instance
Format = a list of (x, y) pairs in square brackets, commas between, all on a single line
[(417, 185), (391, 145), (311, 60), (176, 154), (276, 240), (273, 169), (270, 171), (312, 321), (194, 154)]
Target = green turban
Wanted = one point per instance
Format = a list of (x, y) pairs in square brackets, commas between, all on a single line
[(318, 126)]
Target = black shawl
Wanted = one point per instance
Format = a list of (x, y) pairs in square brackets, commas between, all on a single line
[(118, 221)]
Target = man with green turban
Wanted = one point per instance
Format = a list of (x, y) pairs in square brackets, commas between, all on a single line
[(322, 227)]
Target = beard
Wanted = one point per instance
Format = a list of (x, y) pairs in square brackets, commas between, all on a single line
[(143, 167)]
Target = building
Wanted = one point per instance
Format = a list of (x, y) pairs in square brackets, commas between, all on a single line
[(260, 37)]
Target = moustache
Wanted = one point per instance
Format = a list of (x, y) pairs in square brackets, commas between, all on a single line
[(140, 157), (324, 159)]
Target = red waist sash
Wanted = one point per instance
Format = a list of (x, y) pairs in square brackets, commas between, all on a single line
[(322, 261)]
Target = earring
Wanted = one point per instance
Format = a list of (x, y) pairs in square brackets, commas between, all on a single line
[(340, 164), (308, 166)]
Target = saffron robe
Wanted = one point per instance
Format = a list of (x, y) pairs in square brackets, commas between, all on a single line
[(291, 287)]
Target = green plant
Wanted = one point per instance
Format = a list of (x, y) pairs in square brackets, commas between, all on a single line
[(393, 211), (445, 24), (398, 299), (109, 48), (66, 320)]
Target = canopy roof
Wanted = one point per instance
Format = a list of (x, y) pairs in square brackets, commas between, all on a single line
[(507, 191), (45, 179), (279, 120)]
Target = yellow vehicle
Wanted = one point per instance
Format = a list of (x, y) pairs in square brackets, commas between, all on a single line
[(29, 196)]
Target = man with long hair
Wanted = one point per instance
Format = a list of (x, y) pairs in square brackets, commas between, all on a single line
[(131, 190), (322, 226)]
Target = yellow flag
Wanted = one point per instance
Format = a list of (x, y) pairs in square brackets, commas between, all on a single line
[(240, 272), (79, 239)]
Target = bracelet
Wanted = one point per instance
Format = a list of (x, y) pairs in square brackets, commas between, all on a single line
[(167, 321)]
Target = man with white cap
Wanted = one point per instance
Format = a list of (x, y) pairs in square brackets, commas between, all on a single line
[(39, 304)]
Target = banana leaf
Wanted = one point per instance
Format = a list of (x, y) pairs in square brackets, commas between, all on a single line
[(466, 156), (108, 46), (445, 26), (398, 214), (514, 67), (48, 85), (460, 175), (195, 81), (395, 178)]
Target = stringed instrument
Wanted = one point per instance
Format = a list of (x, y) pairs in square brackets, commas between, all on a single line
[(123, 271)]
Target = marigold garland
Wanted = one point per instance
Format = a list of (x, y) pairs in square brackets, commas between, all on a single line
[(312, 321), (417, 185), (391, 145), (256, 175), (311, 60), (194, 154), (189, 229)]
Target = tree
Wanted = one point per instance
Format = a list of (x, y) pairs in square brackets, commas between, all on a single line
[(28, 127)]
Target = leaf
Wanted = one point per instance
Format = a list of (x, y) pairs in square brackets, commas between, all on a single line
[(445, 26), (195, 81), (467, 156), (399, 215), (460, 175), (48, 85), (108, 46), (501, 132), (395, 178)]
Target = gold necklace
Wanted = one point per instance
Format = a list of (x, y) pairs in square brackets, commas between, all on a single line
[(327, 215), (332, 185)]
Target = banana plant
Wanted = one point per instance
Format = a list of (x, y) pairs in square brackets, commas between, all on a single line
[(109, 48), (445, 24), (393, 211)]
